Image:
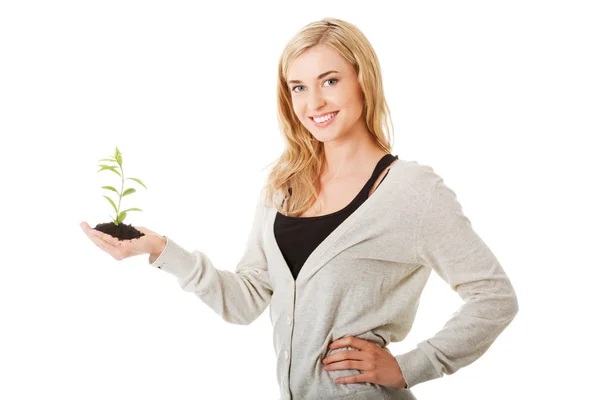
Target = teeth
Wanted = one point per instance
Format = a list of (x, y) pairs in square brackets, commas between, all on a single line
[(323, 119)]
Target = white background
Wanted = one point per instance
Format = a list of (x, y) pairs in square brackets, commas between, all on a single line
[(502, 99)]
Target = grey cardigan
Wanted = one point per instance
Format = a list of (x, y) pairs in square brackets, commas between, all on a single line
[(364, 280)]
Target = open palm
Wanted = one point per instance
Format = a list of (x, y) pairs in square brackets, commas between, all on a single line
[(121, 249)]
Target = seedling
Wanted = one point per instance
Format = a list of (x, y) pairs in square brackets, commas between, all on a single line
[(117, 228)]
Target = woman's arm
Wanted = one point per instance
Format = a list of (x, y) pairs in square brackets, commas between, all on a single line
[(157, 248), (238, 297), (447, 243)]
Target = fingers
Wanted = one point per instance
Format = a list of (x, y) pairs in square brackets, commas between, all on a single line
[(113, 241), (101, 235), (98, 238)]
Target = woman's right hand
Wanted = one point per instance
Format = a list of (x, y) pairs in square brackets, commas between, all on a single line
[(150, 243)]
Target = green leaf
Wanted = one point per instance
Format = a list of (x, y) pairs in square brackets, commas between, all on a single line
[(109, 167), (108, 159), (138, 181), (118, 156), (133, 209), (111, 188), (128, 191), (121, 217), (113, 203)]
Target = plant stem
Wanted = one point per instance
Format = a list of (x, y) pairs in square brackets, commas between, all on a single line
[(120, 194)]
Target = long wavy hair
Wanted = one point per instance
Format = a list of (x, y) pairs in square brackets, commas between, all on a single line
[(299, 166)]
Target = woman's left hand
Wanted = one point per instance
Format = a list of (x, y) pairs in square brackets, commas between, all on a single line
[(378, 364)]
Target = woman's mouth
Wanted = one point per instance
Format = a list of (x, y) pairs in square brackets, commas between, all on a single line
[(324, 120)]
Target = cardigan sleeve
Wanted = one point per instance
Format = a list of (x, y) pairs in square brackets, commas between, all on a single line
[(447, 243), (238, 297)]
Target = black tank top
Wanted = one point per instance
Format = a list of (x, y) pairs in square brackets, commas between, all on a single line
[(297, 237)]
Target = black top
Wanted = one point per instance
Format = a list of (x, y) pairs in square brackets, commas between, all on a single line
[(297, 237)]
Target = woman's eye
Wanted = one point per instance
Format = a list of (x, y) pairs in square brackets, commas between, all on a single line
[(294, 88), (332, 79)]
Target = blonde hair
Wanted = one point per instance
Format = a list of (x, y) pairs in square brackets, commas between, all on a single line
[(299, 166)]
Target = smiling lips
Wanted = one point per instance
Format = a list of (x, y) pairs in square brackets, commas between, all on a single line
[(324, 120)]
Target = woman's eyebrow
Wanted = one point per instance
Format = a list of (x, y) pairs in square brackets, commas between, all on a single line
[(324, 74)]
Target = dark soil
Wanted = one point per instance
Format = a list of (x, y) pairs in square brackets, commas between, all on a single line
[(121, 231)]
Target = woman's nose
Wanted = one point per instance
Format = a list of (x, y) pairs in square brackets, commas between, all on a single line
[(315, 100)]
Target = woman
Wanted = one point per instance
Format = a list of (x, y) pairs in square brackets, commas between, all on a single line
[(343, 240)]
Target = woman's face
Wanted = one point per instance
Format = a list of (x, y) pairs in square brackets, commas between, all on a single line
[(317, 92)]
